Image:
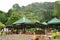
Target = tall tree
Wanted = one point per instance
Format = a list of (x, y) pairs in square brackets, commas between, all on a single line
[(57, 9), (16, 7), (3, 17)]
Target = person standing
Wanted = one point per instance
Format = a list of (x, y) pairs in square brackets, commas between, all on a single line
[(54, 33)]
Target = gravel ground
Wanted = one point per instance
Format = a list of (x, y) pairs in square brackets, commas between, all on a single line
[(19, 37), (16, 37)]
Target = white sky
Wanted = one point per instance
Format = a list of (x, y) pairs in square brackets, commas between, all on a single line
[(5, 5)]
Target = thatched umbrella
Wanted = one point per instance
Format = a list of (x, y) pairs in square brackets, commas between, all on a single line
[(22, 23), (44, 24), (54, 22)]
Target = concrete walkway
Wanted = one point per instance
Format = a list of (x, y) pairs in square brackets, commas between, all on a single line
[(16, 37)]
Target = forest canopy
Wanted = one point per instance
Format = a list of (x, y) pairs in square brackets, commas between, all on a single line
[(35, 11)]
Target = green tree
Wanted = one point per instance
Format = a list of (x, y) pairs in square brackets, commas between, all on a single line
[(57, 9), (3, 17), (16, 7)]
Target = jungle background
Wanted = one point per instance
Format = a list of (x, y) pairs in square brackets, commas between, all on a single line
[(35, 11)]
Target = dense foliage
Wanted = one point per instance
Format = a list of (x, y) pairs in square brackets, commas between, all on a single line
[(35, 11)]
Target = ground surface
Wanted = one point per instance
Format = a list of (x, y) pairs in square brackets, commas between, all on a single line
[(16, 37), (19, 37)]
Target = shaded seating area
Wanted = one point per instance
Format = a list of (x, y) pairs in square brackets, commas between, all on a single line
[(26, 26), (23, 23), (54, 23)]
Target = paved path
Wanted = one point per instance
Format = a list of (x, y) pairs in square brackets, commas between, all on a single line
[(16, 37)]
